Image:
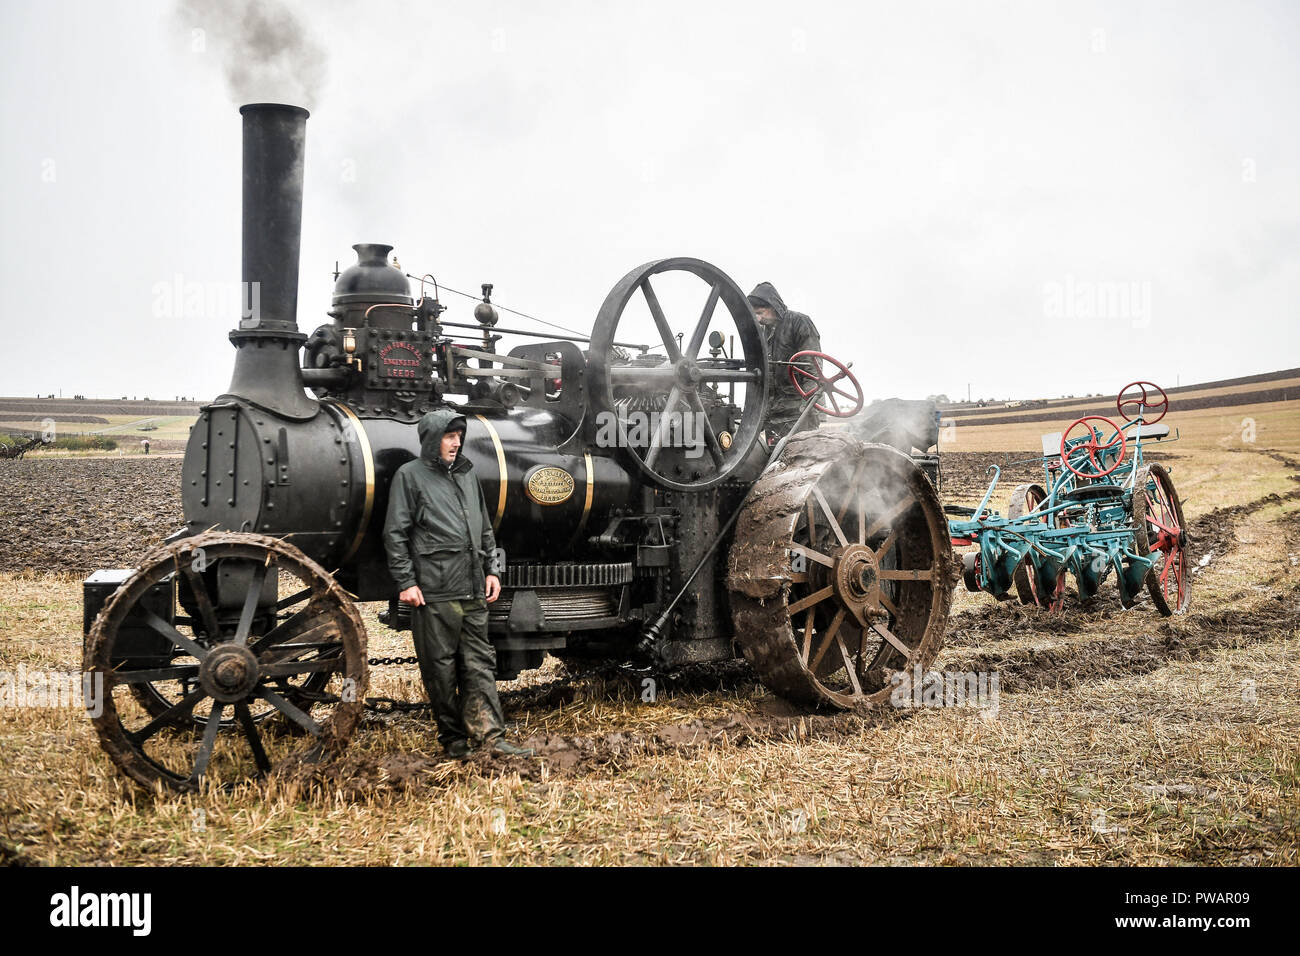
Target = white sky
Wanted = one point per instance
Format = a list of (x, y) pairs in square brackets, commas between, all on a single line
[(919, 178)]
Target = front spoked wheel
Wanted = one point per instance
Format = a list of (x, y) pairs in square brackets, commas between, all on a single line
[(271, 643)]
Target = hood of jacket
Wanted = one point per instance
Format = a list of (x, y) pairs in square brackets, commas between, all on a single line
[(431, 429), (765, 294)]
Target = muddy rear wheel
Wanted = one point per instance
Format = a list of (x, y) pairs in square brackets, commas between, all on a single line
[(841, 572)]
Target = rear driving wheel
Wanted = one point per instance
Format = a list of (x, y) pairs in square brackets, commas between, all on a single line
[(840, 573)]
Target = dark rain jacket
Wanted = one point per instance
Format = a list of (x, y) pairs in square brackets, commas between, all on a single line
[(793, 332), (437, 533)]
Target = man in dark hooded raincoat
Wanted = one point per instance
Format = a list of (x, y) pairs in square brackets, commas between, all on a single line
[(442, 554), (787, 332)]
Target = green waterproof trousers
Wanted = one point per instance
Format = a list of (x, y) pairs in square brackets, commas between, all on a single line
[(458, 665)]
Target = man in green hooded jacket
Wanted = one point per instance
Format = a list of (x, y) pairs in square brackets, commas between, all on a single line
[(787, 332), (442, 554)]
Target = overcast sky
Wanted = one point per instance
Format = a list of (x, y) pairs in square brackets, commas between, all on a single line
[(1032, 198)]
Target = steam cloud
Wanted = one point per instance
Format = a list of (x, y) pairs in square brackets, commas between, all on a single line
[(266, 53)]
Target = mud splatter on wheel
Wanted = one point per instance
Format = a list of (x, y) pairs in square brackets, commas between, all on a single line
[(841, 572), (259, 645), (1160, 531)]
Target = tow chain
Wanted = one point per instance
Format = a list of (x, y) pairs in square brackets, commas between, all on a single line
[(391, 705)]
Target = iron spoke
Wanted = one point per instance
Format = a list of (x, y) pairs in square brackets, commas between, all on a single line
[(815, 598), (1162, 527), (813, 555), (204, 601), (656, 440), (888, 636), (289, 668), (177, 672), (887, 518), (853, 485), (885, 546), (173, 635), (697, 336), (292, 599), (250, 731), (849, 665), (179, 709), (291, 626), (710, 436), (250, 606), (209, 741), (661, 323), (825, 644), (826, 509), (295, 714), (887, 604), (904, 574), (841, 393)]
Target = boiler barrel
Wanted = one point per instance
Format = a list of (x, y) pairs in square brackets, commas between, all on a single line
[(543, 505), (323, 484)]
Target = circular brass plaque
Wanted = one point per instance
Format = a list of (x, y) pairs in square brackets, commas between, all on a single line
[(549, 485)]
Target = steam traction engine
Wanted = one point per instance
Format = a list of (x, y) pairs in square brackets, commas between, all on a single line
[(238, 645)]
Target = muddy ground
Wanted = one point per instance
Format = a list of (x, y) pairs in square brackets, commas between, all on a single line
[(75, 515)]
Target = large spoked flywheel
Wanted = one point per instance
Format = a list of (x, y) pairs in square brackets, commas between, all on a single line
[(684, 419), (264, 663), (841, 572)]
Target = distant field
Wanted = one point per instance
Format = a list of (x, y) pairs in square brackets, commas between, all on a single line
[(1282, 379), (1276, 425)]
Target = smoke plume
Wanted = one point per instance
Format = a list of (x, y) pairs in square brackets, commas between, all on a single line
[(266, 53)]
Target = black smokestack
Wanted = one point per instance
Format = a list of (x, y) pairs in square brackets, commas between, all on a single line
[(274, 138), (267, 372)]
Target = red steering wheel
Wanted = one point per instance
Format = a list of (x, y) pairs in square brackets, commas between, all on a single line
[(821, 382), (1142, 403), (1092, 445)]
